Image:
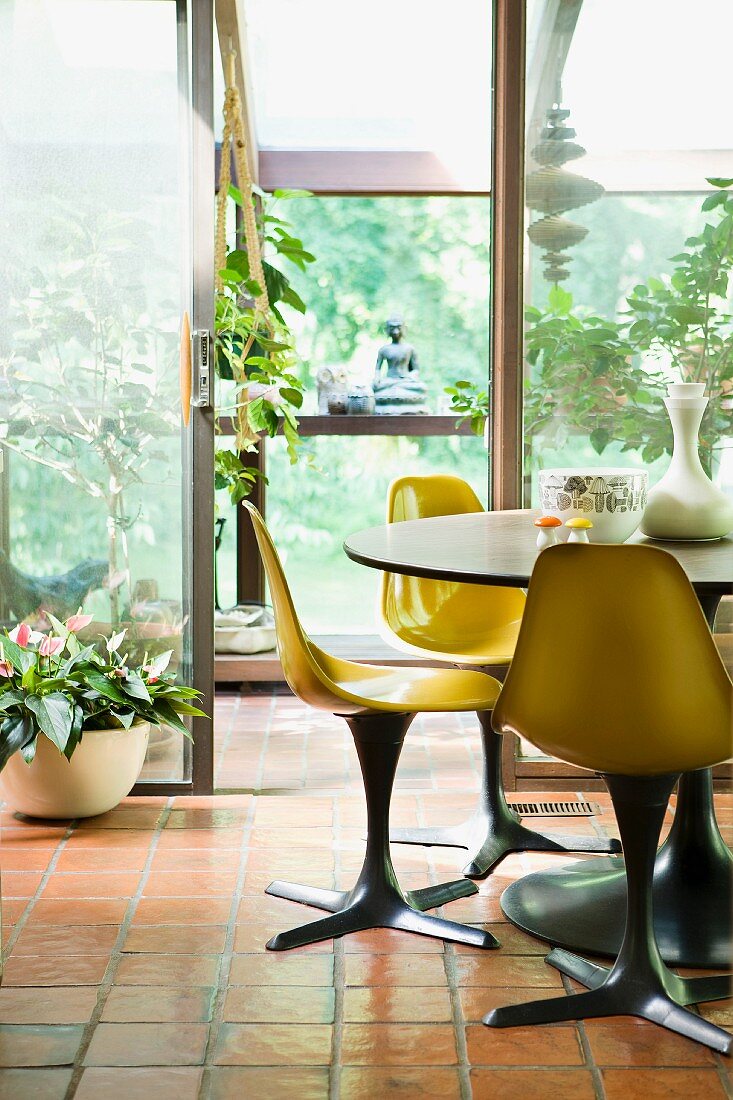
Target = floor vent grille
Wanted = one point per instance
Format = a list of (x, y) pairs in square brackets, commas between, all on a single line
[(575, 808)]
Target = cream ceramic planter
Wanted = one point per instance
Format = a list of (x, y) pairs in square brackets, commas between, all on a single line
[(102, 770)]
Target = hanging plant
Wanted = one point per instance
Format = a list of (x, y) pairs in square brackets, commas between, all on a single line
[(254, 346)]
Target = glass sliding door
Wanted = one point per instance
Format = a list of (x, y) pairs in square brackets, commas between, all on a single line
[(106, 172)]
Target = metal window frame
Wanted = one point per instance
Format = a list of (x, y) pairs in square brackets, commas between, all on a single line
[(195, 23)]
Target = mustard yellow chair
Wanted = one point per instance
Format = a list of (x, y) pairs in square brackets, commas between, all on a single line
[(467, 625), (378, 705), (615, 670)]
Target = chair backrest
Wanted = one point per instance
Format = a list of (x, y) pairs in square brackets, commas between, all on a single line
[(615, 668), (298, 656), (439, 614)]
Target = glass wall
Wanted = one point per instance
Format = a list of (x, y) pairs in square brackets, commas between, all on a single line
[(93, 271), (426, 259), (629, 246), (311, 512)]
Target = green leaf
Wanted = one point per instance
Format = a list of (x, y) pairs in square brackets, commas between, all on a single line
[(28, 751), (718, 181), (560, 301), (186, 708), (168, 716), (599, 440), (98, 680), (21, 659), (291, 193), (15, 732), (77, 724), (134, 686), (54, 716), (295, 397), (293, 299), (716, 199)]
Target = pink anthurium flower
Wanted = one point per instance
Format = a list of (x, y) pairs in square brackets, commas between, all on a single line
[(50, 646), (6, 669), (21, 635), (77, 622)]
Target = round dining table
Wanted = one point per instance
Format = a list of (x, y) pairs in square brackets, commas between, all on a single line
[(582, 907)]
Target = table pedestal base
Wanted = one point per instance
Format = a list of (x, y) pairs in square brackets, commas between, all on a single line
[(583, 907)]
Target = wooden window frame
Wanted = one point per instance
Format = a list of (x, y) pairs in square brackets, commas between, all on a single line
[(408, 172)]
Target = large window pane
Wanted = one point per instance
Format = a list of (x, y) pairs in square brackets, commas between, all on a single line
[(424, 258), (611, 271), (310, 514)]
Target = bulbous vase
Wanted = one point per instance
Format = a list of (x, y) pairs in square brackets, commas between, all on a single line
[(685, 505)]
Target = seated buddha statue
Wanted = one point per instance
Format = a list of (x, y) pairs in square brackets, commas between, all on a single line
[(397, 386)]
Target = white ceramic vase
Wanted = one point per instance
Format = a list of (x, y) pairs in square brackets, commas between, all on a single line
[(102, 770), (685, 505)]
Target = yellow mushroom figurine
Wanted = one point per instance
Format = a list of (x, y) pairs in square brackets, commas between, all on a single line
[(547, 531), (579, 529)]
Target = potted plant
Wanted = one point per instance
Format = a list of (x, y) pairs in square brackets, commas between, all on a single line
[(683, 321), (74, 721)]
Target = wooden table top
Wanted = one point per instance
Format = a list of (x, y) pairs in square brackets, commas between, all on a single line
[(499, 548)]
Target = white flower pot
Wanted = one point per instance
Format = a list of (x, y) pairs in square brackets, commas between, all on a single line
[(102, 770)]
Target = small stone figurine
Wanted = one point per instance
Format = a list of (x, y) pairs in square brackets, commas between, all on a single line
[(547, 531), (579, 529), (398, 390), (332, 382)]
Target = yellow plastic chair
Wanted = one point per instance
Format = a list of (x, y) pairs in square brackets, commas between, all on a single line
[(473, 625), (378, 705), (616, 670)]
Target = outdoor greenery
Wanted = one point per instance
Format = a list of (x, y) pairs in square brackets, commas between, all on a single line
[(53, 685), (605, 377)]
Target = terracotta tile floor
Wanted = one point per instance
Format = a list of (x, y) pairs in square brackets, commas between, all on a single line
[(136, 963)]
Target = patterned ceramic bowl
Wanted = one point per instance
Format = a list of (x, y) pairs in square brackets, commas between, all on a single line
[(613, 499)]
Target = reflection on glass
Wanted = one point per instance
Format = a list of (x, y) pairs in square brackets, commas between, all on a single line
[(91, 273), (629, 248)]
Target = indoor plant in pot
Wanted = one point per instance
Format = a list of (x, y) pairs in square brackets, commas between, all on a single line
[(74, 722)]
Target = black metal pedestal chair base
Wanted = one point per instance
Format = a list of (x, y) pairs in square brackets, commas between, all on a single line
[(639, 983), (494, 830), (377, 900)]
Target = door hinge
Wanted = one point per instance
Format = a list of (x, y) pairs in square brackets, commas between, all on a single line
[(202, 396)]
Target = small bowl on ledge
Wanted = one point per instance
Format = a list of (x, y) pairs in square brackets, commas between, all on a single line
[(613, 498)]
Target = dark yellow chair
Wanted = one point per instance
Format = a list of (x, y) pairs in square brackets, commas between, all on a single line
[(615, 670), (378, 705), (467, 625)]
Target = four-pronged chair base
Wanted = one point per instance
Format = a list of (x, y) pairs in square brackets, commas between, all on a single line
[(490, 837), (383, 906), (494, 830), (617, 992)]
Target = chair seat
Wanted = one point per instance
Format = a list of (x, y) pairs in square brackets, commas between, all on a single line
[(377, 687)]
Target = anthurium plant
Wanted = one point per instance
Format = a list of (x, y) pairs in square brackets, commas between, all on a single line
[(53, 685)]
